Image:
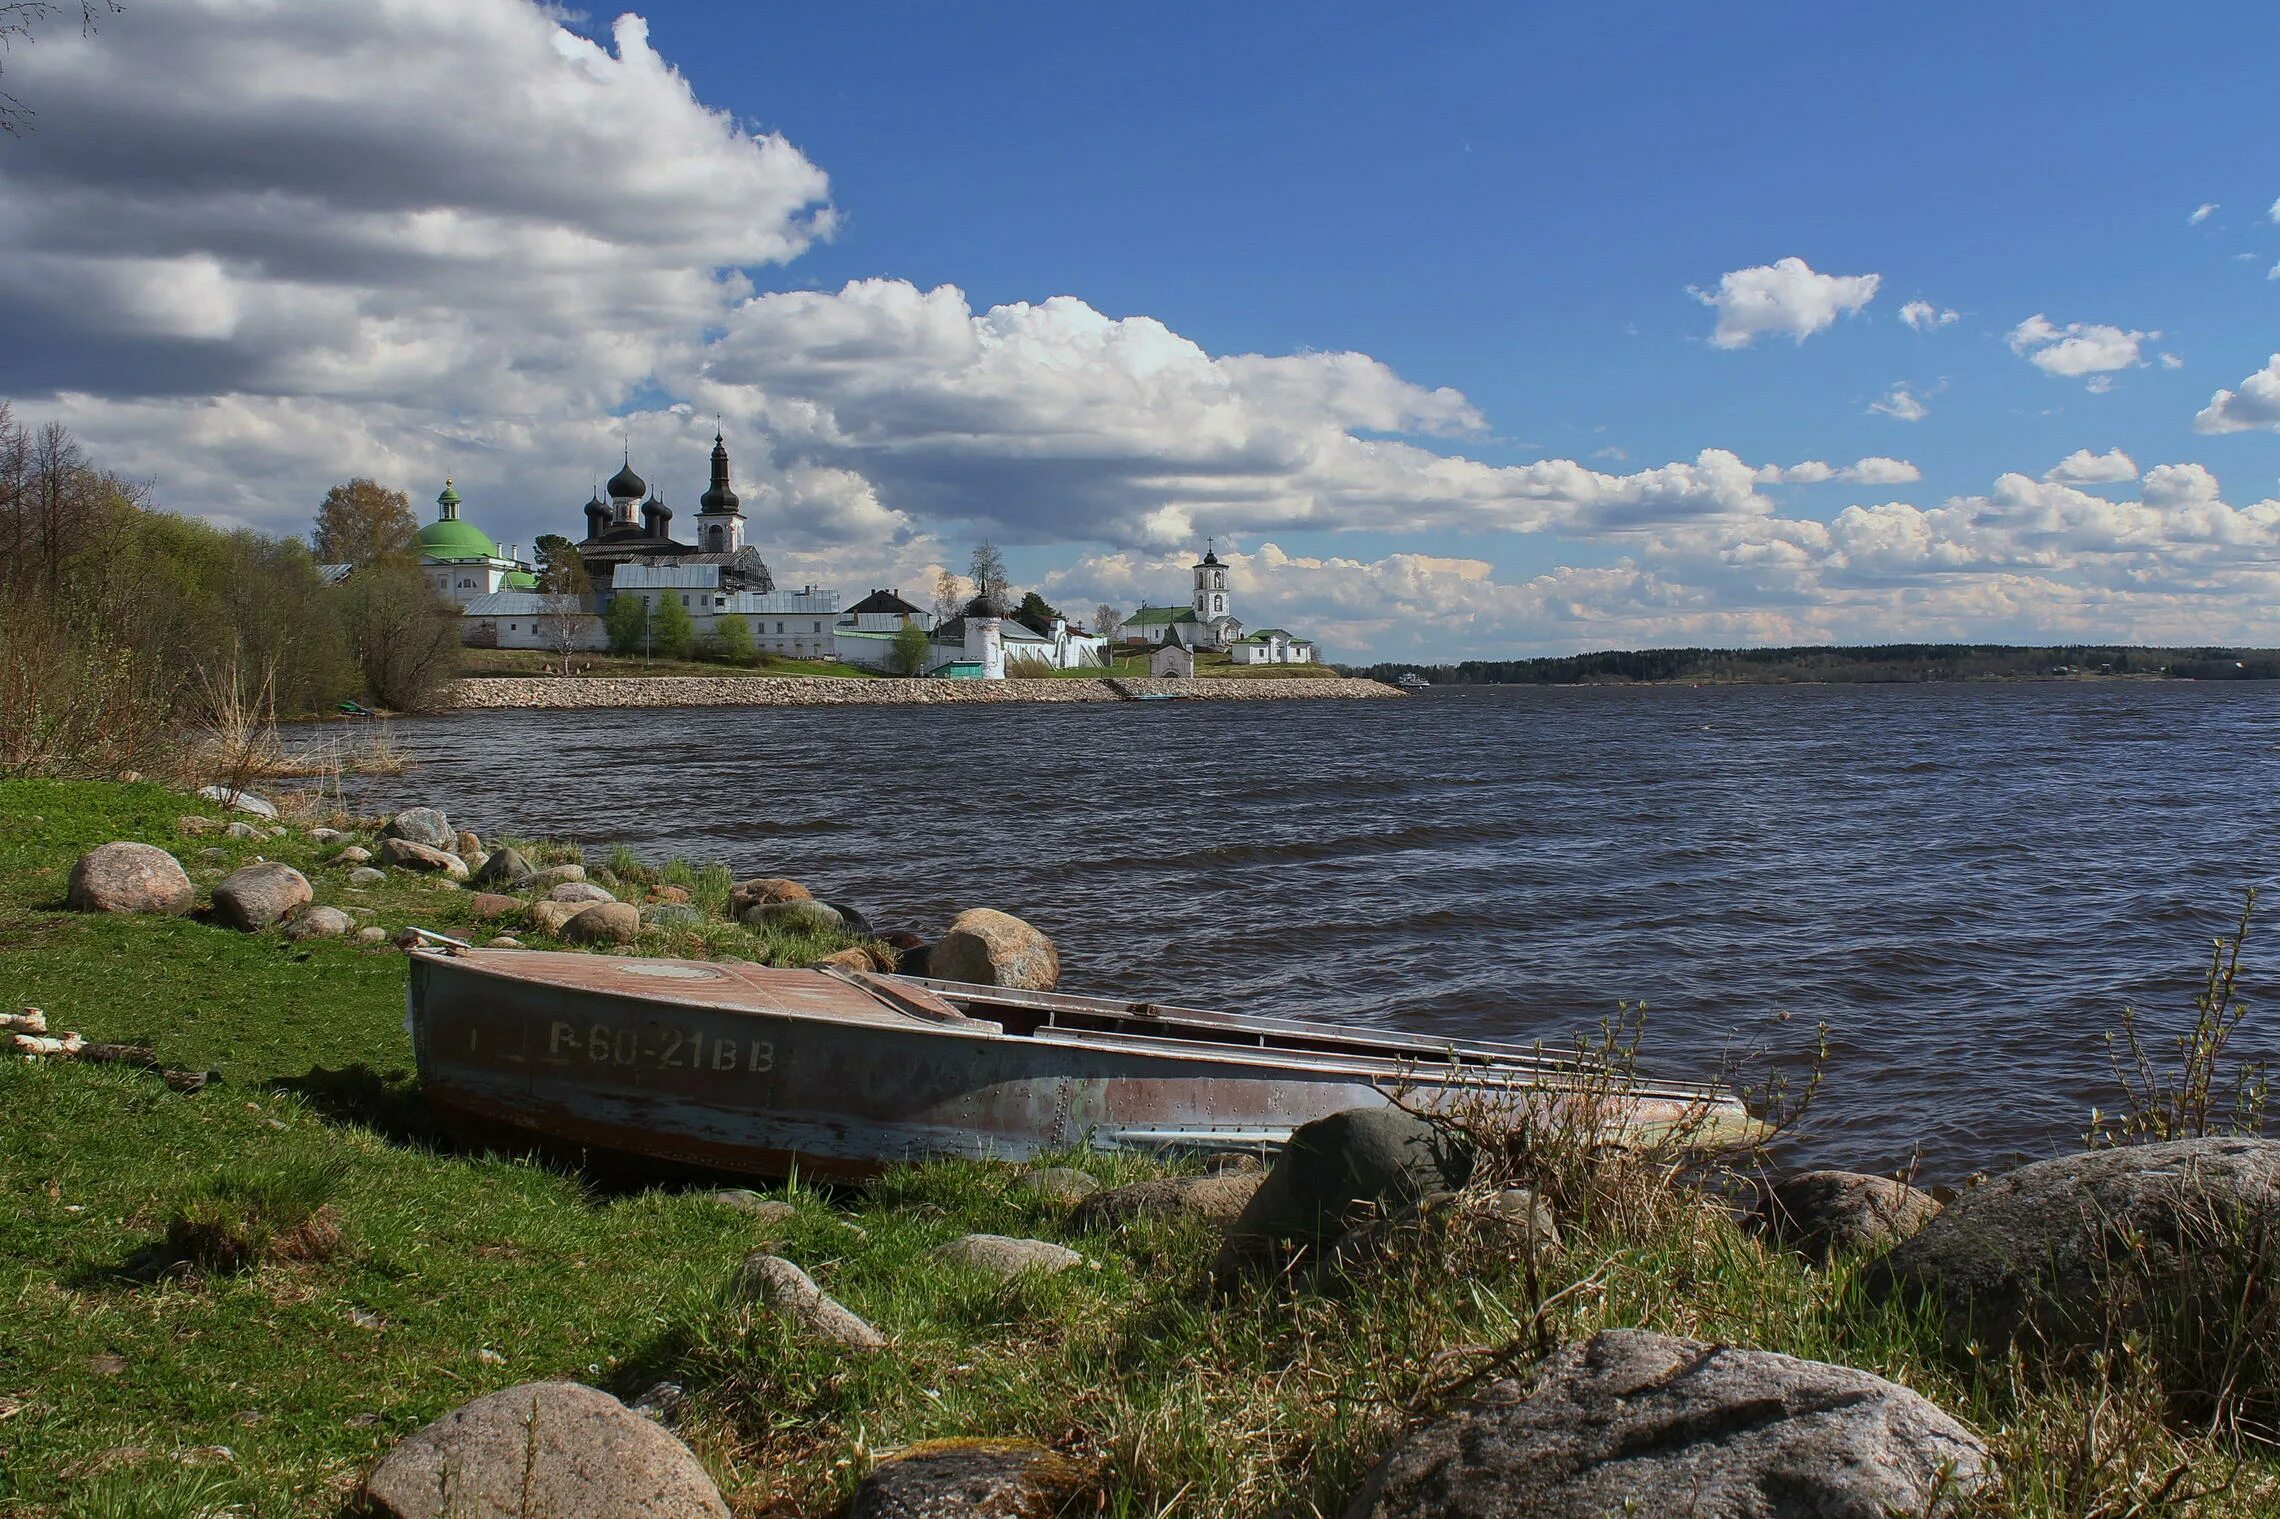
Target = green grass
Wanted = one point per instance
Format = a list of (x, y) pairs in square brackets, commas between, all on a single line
[(538, 662), (454, 1275)]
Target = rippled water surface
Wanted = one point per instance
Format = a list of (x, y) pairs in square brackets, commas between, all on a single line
[(1965, 882)]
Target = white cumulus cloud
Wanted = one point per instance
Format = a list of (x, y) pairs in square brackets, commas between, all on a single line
[(2083, 467), (1902, 403), (1926, 317), (2256, 404), (2079, 348), (1784, 299)]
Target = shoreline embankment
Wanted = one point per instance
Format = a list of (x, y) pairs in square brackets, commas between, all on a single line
[(475, 693)]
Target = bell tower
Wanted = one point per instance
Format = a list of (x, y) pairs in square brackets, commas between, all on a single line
[(720, 517), (1210, 586)]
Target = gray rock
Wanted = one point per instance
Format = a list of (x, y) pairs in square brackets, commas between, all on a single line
[(238, 801), (672, 915), (354, 854), (663, 1402), (126, 877), (1630, 1421), (579, 891), (1826, 1213), (244, 832), (542, 1448), (791, 1294), (989, 948), (1215, 1199), (973, 1479), (213, 855), (603, 923), (252, 898), (2072, 1241), (852, 920), (405, 854), (507, 868), (365, 875), (553, 876), (1063, 1184), (319, 923), (801, 914), (372, 936), (421, 825), (327, 835), (1338, 1172), (999, 1255), (767, 1210)]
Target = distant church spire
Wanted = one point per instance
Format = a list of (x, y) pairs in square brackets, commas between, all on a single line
[(720, 520)]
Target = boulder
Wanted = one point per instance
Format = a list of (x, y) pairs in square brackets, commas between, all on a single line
[(244, 832), (549, 917), (2072, 1241), (789, 1293), (126, 877), (579, 891), (195, 826), (318, 923), (405, 854), (542, 1448), (998, 1255), (507, 868), (353, 855), (491, 904), (1061, 1184), (973, 1479), (1630, 1421), (372, 936), (669, 894), (603, 923), (672, 915), (465, 843), (746, 895), (502, 942), (990, 948), (846, 959), (767, 1210), (1827, 1213), (797, 915), (421, 825), (211, 855), (238, 801), (252, 898), (1217, 1199), (1340, 1171), (328, 835), (365, 875), (553, 876), (854, 920)]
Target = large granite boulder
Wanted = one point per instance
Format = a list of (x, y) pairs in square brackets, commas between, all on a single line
[(404, 854), (603, 923), (746, 895), (2074, 1242), (579, 891), (1217, 1199), (1002, 1256), (505, 868), (783, 1289), (542, 1448), (319, 923), (1633, 1422), (421, 825), (551, 917), (553, 876), (991, 948), (252, 898), (796, 915), (238, 801), (1341, 1171), (127, 877), (1829, 1213), (973, 1479)]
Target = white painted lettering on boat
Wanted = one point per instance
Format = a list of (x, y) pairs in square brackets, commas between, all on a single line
[(674, 1049)]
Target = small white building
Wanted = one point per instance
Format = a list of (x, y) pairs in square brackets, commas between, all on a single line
[(1171, 661), (1272, 646), (793, 624), (1204, 623), (532, 620)]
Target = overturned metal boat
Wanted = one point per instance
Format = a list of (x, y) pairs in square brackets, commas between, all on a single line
[(742, 1069)]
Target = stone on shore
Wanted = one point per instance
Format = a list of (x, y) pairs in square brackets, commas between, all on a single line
[(542, 1448), (796, 915), (1001, 1256), (353, 855), (853, 918), (1822, 1214), (252, 898), (365, 875), (1217, 1199), (991, 948), (318, 923), (603, 923), (1341, 1171), (492, 904), (792, 1295), (2072, 1243), (506, 867), (579, 891), (244, 832), (467, 845), (553, 876), (549, 917), (746, 895), (766, 1210), (1630, 1421), (503, 941), (972, 1479), (421, 825), (238, 801), (846, 959), (127, 877), (372, 936), (404, 854), (327, 835)]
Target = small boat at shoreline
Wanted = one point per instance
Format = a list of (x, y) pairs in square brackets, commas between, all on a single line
[(746, 1070), (1412, 681)]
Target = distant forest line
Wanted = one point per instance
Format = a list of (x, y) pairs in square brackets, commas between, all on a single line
[(1894, 662)]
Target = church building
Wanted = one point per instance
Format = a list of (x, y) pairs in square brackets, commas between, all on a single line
[(635, 527), (1204, 623), (460, 560)]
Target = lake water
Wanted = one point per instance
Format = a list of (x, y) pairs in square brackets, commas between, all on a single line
[(1966, 882)]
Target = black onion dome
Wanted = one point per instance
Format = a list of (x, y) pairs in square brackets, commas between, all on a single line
[(984, 605), (1209, 557), (625, 485)]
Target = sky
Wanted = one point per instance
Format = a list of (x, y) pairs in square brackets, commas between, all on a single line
[(1460, 331)]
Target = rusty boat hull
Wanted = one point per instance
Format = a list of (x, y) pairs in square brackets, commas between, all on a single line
[(744, 1070)]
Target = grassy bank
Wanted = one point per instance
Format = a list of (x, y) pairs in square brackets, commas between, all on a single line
[(121, 1387), (539, 662)]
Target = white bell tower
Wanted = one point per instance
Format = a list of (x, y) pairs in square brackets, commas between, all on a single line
[(1210, 586)]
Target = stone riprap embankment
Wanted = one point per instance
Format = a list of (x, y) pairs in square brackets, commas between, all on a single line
[(494, 691)]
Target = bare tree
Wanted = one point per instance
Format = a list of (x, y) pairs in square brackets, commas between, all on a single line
[(17, 18), (949, 597), (987, 571), (562, 589)]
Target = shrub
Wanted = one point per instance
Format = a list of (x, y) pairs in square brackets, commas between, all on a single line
[(250, 1215)]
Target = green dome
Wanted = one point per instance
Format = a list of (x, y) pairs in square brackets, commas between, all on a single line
[(454, 539), (518, 580)]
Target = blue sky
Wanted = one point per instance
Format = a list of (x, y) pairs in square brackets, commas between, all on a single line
[(1475, 234)]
